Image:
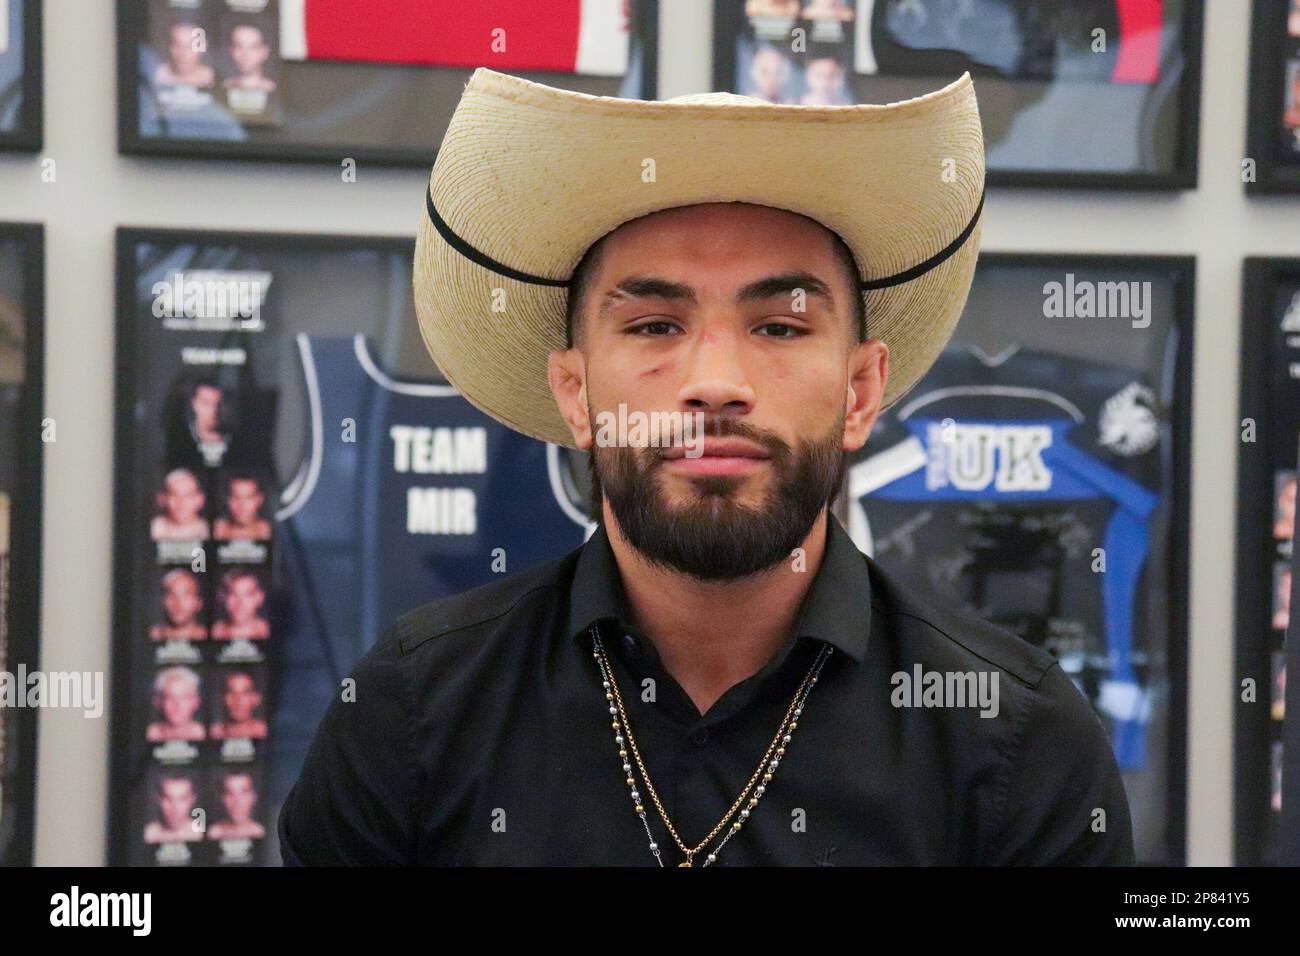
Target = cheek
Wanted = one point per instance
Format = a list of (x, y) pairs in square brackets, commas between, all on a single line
[(809, 391), (636, 384)]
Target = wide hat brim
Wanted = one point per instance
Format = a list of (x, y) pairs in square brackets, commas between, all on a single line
[(528, 177)]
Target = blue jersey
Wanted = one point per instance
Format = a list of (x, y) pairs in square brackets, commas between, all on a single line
[(1024, 488), (409, 494), (1017, 39)]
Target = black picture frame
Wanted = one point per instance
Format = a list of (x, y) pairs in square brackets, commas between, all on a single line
[(305, 326), (25, 532), (1255, 828), (28, 135), (131, 16), (728, 15), (122, 769), (1179, 389), (1289, 845), (1268, 44), (1179, 577)]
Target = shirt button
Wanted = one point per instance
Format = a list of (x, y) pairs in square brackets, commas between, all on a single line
[(700, 738)]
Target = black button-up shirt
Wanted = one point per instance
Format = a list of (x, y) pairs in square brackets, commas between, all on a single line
[(480, 735)]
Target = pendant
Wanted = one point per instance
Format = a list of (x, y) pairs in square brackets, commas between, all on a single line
[(685, 863)]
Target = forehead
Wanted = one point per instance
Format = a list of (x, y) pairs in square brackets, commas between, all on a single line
[(736, 240)]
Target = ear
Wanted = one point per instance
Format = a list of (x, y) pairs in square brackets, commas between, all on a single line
[(868, 372), (566, 372)]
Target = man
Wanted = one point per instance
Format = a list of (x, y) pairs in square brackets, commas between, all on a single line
[(186, 47), (243, 519), (249, 91), (717, 677), (176, 700), (1291, 114), (241, 698), (824, 78), (249, 52), (239, 799), (241, 598), (174, 798), (182, 603), (204, 418), (180, 506), (769, 73), (1284, 508)]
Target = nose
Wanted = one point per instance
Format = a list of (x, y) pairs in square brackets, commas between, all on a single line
[(716, 381)]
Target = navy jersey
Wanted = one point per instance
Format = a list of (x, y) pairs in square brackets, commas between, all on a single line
[(9, 395), (1023, 488), (1017, 39), (409, 494)]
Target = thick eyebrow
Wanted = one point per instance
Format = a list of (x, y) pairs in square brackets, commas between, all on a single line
[(785, 284), (647, 287), (656, 287)]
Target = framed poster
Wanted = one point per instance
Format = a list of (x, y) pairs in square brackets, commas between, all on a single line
[(1038, 477), (22, 292), (291, 476), (20, 75), (1097, 93), (1289, 844), (1273, 133), (1266, 505), (368, 80)]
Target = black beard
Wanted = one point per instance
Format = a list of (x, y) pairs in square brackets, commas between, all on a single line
[(711, 537)]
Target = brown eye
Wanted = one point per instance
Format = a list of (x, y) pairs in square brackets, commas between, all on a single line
[(784, 331), (656, 328)]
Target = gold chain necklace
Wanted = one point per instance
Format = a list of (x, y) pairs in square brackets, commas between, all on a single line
[(766, 767)]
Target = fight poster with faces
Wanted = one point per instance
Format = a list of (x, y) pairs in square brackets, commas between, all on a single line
[(1037, 476), (293, 475), (1093, 93), (21, 362), (1289, 842), (1273, 138), (332, 80), (20, 75), (1269, 418)]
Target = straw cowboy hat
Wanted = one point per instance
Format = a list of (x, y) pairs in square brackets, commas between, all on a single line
[(529, 177)]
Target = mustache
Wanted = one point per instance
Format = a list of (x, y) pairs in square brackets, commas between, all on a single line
[(722, 426), (710, 535)]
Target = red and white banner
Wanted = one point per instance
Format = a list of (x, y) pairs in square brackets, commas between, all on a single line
[(1139, 41), (562, 36)]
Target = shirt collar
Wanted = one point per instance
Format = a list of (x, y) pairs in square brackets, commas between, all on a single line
[(837, 607)]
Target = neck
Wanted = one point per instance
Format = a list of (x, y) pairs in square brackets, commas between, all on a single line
[(702, 641)]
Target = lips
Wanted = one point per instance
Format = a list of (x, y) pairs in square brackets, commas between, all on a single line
[(719, 448)]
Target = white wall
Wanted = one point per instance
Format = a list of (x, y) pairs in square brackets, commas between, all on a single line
[(96, 189)]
